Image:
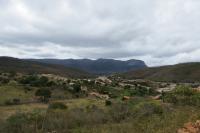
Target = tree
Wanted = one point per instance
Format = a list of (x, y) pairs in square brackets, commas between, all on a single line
[(45, 94), (76, 88)]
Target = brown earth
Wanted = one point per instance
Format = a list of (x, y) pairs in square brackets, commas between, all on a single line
[(190, 127)]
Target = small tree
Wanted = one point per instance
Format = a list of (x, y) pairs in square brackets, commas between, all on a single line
[(76, 88), (45, 94), (108, 103)]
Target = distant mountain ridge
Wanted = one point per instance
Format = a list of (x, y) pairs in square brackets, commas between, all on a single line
[(8, 64), (99, 66), (184, 72)]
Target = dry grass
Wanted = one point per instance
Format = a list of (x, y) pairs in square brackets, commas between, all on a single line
[(6, 111)]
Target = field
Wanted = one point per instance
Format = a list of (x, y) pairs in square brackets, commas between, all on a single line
[(99, 105)]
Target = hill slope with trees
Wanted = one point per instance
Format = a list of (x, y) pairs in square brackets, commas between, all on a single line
[(185, 72), (9, 64)]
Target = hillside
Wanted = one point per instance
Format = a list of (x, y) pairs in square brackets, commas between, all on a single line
[(8, 64), (186, 72), (100, 66)]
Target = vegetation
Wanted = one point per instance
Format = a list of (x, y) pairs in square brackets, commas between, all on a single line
[(45, 94), (183, 95), (187, 72), (135, 116), (38, 103), (57, 105), (108, 103), (8, 64), (34, 80)]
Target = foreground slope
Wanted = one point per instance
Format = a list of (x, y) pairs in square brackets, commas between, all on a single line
[(186, 72), (8, 64), (100, 66)]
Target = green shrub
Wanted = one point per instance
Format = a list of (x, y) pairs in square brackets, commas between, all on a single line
[(184, 91), (27, 88), (45, 94), (4, 80), (127, 87), (24, 122), (119, 112), (108, 103), (8, 102), (148, 109), (35, 80), (14, 101), (142, 91), (76, 88), (57, 105), (182, 95)]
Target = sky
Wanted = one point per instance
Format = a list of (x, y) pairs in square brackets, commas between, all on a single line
[(159, 32)]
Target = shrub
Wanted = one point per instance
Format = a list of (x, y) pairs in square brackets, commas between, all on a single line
[(142, 91), (127, 87), (27, 88), (8, 102), (12, 74), (119, 112), (148, 109), (184, 91), (108, 103), (24, 122), (35, 80), (14, 101), (57, 105), (182, 95), (45, 94), (4, 80), (76, 88)]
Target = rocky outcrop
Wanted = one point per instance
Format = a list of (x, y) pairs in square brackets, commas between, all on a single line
[(190, 127)]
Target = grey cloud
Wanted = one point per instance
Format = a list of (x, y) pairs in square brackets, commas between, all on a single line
[(159, 32)]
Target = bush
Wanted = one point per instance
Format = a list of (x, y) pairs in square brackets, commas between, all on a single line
[(57, 105), (182, 95), (148, 109), (45, 94), (14, 101), (108, 103), (24, 122), (27, 88), (4, 80), (139, 91), (35, 80), (8, 102), (127, 87), (183, 91), (76, 88), (119, 112)]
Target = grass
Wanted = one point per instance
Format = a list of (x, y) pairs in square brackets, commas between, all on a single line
[(91, 115), (8, 92), (169, 122), (7, 111), (83, 103)]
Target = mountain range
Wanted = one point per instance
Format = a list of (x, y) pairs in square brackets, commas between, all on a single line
[(99, 66), (85, 68)]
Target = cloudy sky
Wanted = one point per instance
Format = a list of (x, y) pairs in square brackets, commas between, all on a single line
[(159, 32)]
